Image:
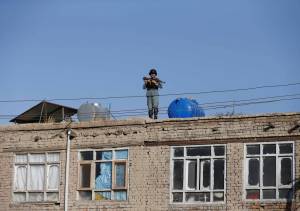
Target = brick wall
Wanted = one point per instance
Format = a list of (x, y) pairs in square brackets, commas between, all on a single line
[(149, 145)]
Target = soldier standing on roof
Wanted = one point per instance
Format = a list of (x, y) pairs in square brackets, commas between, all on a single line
[(152, 85)]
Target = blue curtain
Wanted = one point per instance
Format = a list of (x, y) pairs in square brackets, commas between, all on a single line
[(103, 176)]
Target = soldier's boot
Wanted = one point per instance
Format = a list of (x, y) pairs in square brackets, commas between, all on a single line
[(150, 113), (155, 113)]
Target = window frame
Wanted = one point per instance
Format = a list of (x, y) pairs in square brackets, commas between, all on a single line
[(46, 164), (93, 163), (185, 190), (260, 157)]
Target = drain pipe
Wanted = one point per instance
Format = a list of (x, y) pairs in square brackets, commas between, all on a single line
[(67, 168)]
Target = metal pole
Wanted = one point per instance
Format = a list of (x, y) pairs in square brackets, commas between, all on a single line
[(67, 169), (63, 114), (41, 114)]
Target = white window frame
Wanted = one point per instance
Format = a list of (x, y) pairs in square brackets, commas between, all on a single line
[(185, 173), (27, 165), (92, 173), (260, 186)]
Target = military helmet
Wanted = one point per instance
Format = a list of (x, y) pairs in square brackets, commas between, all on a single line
[(153, 71)]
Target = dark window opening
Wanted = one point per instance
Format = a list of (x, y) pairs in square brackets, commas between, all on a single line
[(178, 175)]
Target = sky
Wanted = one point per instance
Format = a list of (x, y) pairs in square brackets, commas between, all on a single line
[(101, 48)]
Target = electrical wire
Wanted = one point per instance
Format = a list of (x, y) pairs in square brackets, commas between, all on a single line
[(162, 95), (221, 107), (205, 106), (202, 105)]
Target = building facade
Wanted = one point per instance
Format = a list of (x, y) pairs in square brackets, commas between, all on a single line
[(211, 163)]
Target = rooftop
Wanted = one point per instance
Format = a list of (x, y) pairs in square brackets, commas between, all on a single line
[(136, 121)]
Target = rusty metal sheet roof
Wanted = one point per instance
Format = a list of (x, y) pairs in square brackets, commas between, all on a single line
[(45, 112)]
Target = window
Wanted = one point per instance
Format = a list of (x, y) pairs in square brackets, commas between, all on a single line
[(36, 177), (103, 175), (269, 171), (198, 174)]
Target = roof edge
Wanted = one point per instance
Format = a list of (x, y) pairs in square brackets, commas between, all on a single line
[(129, 122)]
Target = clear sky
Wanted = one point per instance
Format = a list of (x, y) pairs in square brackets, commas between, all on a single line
[(99, 48)]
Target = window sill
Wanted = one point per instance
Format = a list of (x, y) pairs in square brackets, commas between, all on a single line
[(120, 205), (198, 203), (102, 201), (16, 204), (268, 205), (267, 201)]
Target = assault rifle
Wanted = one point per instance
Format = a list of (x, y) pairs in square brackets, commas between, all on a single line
[(154, 79)]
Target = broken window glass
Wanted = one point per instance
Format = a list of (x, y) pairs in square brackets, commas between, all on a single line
[(253, 171), (263, 171), (85, 175), (286, 171), (193, 197), (219, 150), (269, 171), (269, 194), (104, 155), (85, 195), (206, 173), (192, 174), (218, 174), (199, 177), (103, 195), (178, 152), (218, 196), (120, 172), (121, 154), (177, 197), (199, 151), (205, 197), (103, 176), (86, 155), (253, 149), (120, 195), (178, 175), (285, 148), (252, 194)]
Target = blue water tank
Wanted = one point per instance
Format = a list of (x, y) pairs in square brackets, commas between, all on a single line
[(185, 108)]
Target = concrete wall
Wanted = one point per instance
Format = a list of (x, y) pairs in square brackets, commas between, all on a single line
[(149, 143)]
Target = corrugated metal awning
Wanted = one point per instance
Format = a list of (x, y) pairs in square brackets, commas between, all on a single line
[(45, 112)]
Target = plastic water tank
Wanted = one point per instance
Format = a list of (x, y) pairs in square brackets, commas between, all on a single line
[(91, 112), (185, 108)]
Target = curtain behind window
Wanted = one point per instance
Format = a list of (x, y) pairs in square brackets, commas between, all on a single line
[(20, 180), (36, 177), (53, 177), (53, 157)]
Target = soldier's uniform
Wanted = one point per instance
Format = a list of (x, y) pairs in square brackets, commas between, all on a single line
[(152, 85)]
